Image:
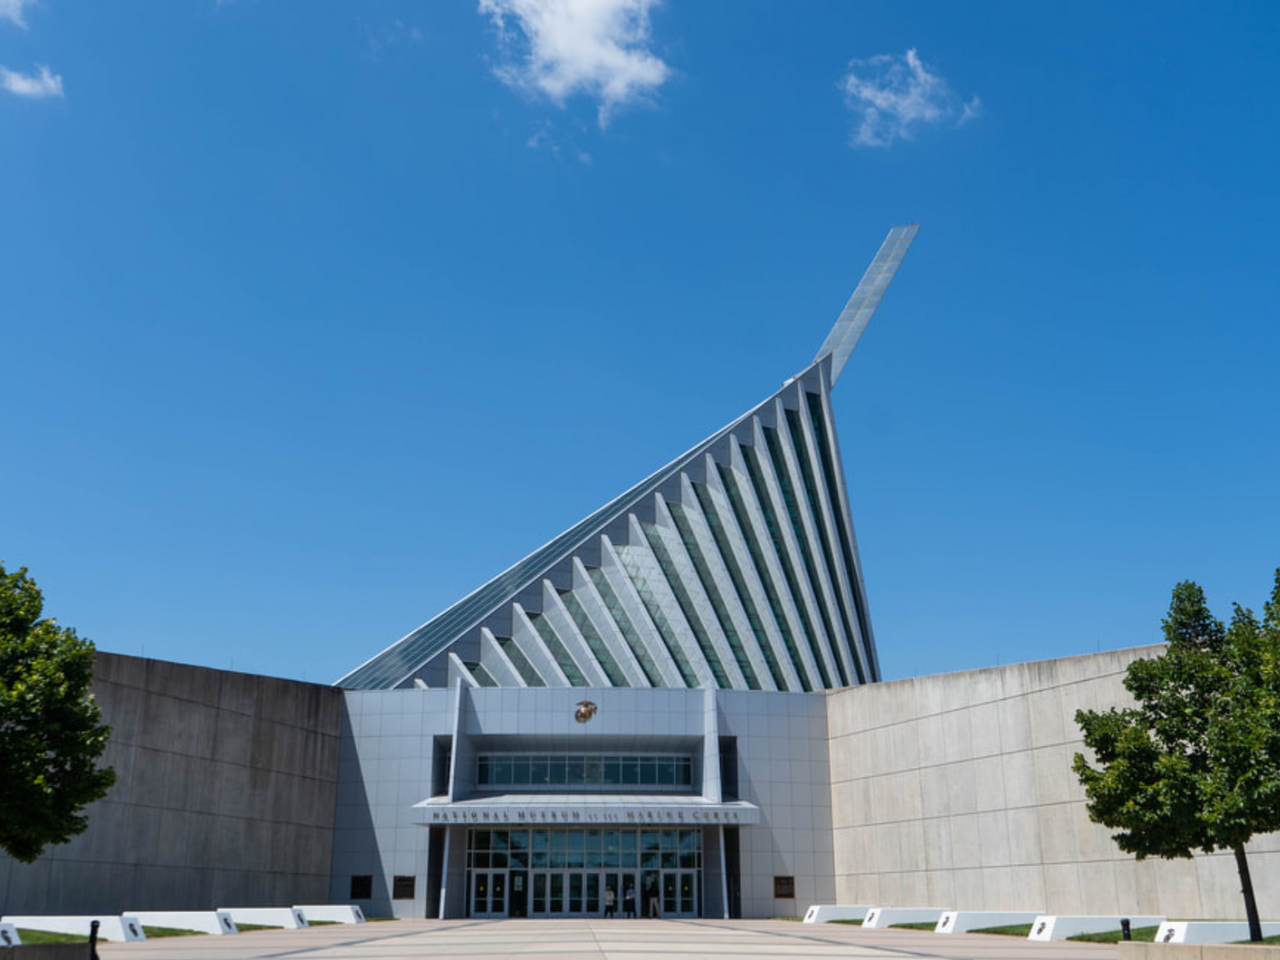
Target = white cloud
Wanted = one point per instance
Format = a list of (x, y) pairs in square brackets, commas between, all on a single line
[(895, 96), (11, 10), (46, 84), (593, 47)]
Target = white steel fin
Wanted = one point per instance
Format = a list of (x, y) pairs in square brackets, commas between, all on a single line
[(857, 312)]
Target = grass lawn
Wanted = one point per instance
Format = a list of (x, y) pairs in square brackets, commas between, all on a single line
[(29, 937), (153, 932), (852, 923), (1012, 930), (919, 925), (1142, 934), (250, 927)]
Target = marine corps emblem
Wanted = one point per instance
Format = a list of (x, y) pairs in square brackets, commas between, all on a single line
[(586, 710)]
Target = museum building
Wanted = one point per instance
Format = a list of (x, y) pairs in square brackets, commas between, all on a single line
[(675, 705), (623, 714)]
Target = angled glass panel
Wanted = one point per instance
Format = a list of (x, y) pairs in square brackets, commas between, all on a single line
[(558, 650), (483, 676), (641, 579), (595, 642), (625, 626), (730, 560), (785, 560), (756, 548), (783, 473), (687, 607), (832, 581), (835, 485), (518, 660), (708, 580)]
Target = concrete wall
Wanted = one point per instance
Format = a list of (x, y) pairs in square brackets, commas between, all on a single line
[(951, 791), (224, 797), (385, 765), (782, 768), (957, 791)]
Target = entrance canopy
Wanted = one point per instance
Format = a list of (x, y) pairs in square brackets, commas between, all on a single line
[(579, 809)]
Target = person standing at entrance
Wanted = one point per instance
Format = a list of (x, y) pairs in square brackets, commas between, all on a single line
[(608, 902), (652, 895), (629, 903)]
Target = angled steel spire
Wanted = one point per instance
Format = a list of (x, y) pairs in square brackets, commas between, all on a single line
[(857, 312)]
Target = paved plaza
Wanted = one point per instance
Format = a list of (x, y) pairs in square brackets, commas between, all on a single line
[(599, 940)]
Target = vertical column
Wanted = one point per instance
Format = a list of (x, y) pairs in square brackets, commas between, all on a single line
[(715, 896), (453, 896)]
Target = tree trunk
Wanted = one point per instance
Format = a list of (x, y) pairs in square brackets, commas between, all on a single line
[(1246, 887)]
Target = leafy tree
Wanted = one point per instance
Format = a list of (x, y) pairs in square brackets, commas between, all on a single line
[(50, 729), (1195, 765)]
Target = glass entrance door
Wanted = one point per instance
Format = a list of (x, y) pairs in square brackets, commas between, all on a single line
[(489, 893), (548, 872), (518, 897), (575, 893)]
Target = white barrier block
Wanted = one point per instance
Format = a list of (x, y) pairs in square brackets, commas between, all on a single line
[(202, 921), (125, 927), (333, 912), (888, 916), (1209, 931), (958, 921), (9, 935), (1046, 927), (290, 918), (825, 913)]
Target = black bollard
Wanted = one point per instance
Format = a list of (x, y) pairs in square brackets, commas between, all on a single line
[(93, 939), (1125, 932)]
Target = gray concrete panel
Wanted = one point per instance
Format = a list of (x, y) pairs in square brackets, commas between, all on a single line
[(213, 782), (1001, 814)]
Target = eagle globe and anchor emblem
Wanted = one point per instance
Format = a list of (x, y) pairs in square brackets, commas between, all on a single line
[(586, 710)]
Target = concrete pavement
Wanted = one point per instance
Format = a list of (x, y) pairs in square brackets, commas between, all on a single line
[(598, 939)]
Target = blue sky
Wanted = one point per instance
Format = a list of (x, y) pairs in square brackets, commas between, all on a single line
[(316, 316)]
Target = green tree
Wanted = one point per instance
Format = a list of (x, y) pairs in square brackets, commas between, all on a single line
[(50, 730), (1195, 765)]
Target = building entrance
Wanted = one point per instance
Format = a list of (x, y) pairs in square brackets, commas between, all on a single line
[(571, 893), (489, 893), (565, 873)]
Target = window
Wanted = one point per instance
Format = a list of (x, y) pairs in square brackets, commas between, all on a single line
[(784, 888), (362, 887), (551, 849), (729, 768), (441, 765), (403, 888), (584, 770)]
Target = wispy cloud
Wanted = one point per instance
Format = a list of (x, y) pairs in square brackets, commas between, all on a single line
[(894, 96), (378, 39), (11, 10), (45, 84), (599, 48), (546, 137), (38, 85)]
